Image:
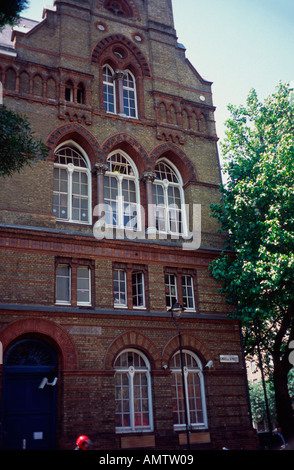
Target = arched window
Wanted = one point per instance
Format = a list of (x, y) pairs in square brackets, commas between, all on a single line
[(109, 99), (24, 83), (10, 79), (119, 7), (129, 95), (133, 404), (195, 393), (168, 199), (121, 192), (119, 92), (72, 188), (69, 91)]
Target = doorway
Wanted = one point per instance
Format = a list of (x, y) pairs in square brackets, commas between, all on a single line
[(29, 396)]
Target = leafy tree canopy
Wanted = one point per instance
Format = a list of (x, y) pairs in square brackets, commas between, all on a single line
[(257, 214), (17, 145), (257, 211), (10, 11)]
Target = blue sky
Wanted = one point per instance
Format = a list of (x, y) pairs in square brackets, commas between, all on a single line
[(236, 44)]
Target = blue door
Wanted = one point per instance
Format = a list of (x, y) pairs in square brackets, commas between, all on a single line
[(29, 396)]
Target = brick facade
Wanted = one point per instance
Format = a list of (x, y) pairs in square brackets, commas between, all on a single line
[(175, 121)]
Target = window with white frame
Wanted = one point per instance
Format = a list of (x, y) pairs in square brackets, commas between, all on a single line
[(171, 292), (129, 95), (138, 289), (83, 285), (120, 288), (63, 285), (72, 194), (188, 292), (133, 404), (73, 284), (121, 192), (109, 95), (168, 199), (195, 392), (179, 287), (119, 92)]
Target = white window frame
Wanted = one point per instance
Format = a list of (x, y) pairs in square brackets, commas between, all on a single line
[(164, 209), (130, 89), (138, 307), (193, 308), (130, 373), (169, 284), (113, 86), (120, 200), (70, 169), (89, 302), (119, 304), (58, 301), (188, 370)]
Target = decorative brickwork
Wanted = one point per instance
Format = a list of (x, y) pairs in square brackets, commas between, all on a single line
[(48, 330), (105, 49)]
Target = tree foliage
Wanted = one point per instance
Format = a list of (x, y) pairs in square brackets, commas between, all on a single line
[(10, 11), (258, 408), (257, 214), (17, 145)]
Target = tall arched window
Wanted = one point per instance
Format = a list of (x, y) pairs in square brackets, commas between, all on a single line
[(69, 91), (109, 99), (194, 384), (133, 404), (121, 192), (168, 199), (129, 95), (72, 187)]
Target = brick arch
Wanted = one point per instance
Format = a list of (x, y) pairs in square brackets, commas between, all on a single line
[(131, 3), (132, 339), (190, 342), (100, 52), (131, 146), (77, 133), (173, 153), (42, 328)]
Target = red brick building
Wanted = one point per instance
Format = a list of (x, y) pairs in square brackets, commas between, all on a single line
[(97, 242)]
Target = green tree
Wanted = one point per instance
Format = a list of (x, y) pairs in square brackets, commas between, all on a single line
[(257, 402), (257, 214), (10, 11), (17, 145)]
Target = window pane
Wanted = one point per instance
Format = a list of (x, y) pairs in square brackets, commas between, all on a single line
[(120, 193), (71, 185), (195, 398), (178, 399), (122, 403), (132, 388), (188, 292), (63, 284), (129, 96), (119, 288), (83, 285), (108, 90), (138, 290), (60, 193), (170, 290)]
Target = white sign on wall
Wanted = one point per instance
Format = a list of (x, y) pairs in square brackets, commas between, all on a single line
[(229, 358)]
